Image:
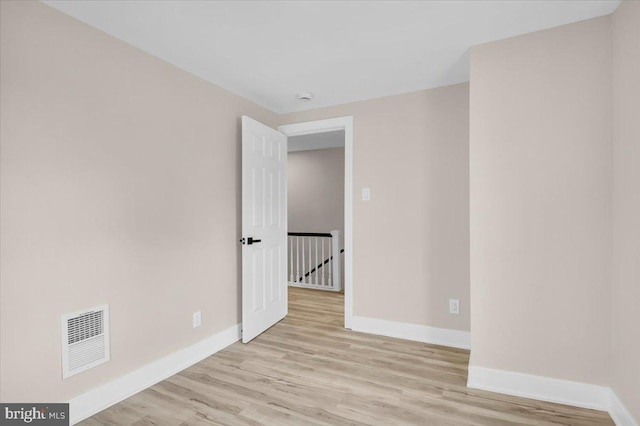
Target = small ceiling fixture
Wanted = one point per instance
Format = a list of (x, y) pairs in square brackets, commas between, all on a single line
[(305, 96)]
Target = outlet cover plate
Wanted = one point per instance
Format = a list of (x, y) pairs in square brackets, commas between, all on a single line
[(454, 306)]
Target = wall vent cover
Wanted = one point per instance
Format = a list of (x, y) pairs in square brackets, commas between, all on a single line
[(85, 340)]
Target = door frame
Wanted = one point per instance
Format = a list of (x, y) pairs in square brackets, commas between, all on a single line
[(328, 125)]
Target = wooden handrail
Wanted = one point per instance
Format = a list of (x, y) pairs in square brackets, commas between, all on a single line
[(309, 234)]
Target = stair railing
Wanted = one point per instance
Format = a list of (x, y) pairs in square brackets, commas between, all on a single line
[(314, 260)]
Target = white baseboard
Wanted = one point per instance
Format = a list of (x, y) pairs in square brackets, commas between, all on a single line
[(419, 333), (506, 382), (540, 388), (551, 390), (96, 400), (311, 286), (619, 413)]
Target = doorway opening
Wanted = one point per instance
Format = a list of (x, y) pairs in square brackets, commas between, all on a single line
[(320, 206)]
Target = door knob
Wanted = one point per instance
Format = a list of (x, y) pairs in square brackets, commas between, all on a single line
[(249, 241)]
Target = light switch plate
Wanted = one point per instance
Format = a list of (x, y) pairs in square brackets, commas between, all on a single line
[(197, 319), (366, 194)]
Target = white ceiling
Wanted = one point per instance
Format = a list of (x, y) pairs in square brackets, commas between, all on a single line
[(340, 51), (324, 140)]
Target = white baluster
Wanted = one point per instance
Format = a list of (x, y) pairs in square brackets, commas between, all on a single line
[(290, 259), (297, 259), (330, 267), (303, 266), (335, 252), (316, 265), (323, 282), (309, 276)]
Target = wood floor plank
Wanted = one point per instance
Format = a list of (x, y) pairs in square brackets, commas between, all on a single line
[(309, 370)]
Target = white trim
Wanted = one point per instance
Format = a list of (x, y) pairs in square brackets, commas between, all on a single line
[(619, 413), (329, 125), (541, 388), (418, 333), (551, 390), (348, 223), (311, 286), (102, 397)]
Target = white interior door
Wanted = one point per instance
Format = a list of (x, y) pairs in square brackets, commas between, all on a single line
[(264, 227)]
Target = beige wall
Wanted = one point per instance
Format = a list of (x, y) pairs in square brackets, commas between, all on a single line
[(316, 190), (541, 181), (626, 205), (120, 185), (411, 241)]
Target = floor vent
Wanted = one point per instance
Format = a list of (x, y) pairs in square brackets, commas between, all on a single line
[(85, 340)]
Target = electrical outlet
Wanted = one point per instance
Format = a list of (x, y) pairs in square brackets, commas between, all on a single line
[(454, 306), (197, 319)]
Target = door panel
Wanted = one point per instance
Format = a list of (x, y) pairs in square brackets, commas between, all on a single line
[(264, 219)]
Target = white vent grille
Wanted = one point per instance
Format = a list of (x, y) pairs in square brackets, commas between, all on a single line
[(85, 340)]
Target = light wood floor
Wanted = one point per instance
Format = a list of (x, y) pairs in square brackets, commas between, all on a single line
[(308, 370)]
